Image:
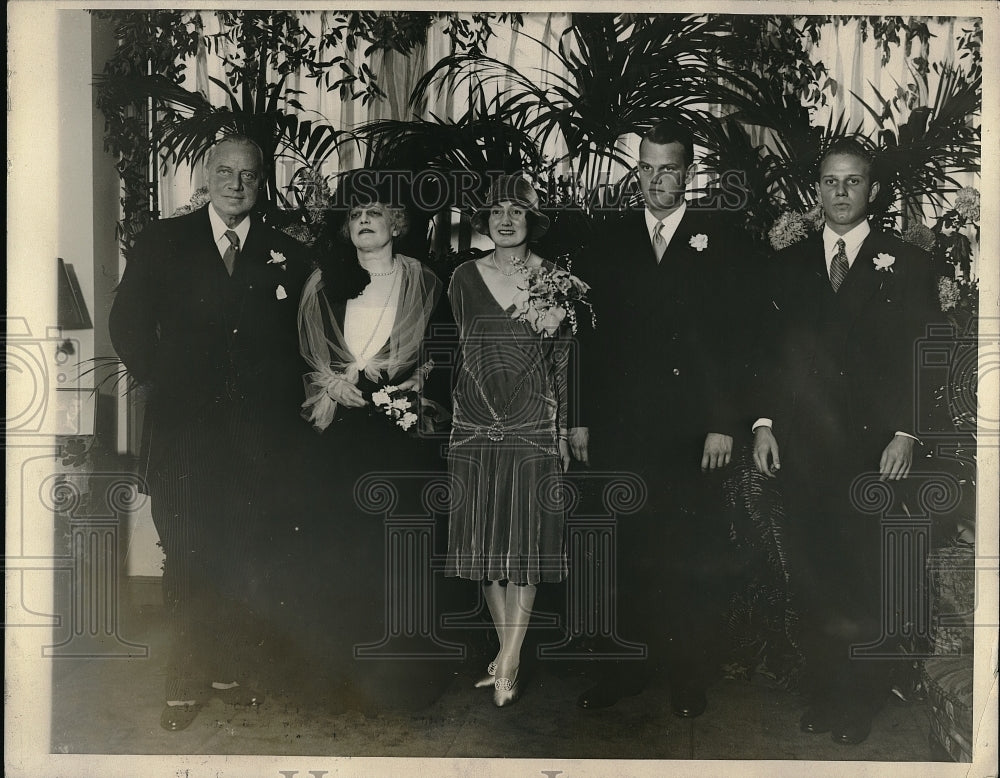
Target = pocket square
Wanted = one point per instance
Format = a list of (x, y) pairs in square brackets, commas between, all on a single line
[(280, 292)]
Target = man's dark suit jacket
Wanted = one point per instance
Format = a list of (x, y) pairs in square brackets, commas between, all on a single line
[(844, 374), (199, 337), (668, 360)]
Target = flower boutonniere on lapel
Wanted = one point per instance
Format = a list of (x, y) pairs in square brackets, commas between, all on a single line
[(277, 258), (699, 242), (884, 263)]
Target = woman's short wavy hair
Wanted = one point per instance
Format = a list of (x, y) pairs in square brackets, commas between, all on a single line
[(399, 219)]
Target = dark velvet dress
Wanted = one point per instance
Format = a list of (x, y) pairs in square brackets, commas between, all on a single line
[(360, 602), (507, 515)]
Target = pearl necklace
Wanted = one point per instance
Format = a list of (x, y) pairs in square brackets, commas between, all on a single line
[(387, 273), (518, 265)]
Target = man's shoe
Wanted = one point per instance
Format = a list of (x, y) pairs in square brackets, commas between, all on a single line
[(687, 701), (243, 696), (852, 728), (817, 719), (605, 694), (174, 718)]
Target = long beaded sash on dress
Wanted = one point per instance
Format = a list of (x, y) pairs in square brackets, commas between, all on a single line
[(499, 430)]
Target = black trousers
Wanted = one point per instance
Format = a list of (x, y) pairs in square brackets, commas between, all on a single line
[(835, 556), (674, 563), (208, 487)]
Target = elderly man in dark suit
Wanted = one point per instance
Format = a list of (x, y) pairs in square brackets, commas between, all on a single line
[(205, 316), (660, 398), (839, 392)]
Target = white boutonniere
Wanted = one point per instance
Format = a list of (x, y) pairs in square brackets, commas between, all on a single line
[(280, 292), (884, 262), (699, 242), (277, 258)]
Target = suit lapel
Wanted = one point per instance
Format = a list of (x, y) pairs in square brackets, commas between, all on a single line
[(863, 281), (641, 248), (203, 243), (680, 247), (805, 284), (251, 255), (815, 266)]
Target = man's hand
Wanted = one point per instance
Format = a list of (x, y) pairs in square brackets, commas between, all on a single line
[(717, 452), (564, 454), (896, 459), (579, 442), (765, 451)]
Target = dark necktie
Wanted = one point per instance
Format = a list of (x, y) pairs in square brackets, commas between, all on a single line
[(839, 266), (231, 253)]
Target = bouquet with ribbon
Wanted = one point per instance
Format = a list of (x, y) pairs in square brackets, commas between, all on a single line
[(548, 297)]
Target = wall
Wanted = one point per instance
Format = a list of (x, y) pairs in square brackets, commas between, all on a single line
[(88, 198)]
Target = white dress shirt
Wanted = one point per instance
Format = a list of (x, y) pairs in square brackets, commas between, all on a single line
[(852, 243), (219, 229), (669, 225)]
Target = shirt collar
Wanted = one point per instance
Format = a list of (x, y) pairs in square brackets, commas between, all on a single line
[(669, 222), (219, 227), (852, 241)]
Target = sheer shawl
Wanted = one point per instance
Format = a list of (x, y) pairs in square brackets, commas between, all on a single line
[(321, 338)]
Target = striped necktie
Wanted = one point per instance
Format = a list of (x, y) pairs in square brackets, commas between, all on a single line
[(839, 266)]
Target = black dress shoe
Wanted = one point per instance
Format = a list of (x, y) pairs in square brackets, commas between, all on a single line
[(605, 694), (817, 719), (687, 701), (174, 718), (852, 728), (239, 695)]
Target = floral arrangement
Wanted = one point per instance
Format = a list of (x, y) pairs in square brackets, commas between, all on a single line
[(920, 235), (792, 227), (198, 199), (397, 405), (550, 296), (952, 244), (967, 204), (311, 190), (949, 293)]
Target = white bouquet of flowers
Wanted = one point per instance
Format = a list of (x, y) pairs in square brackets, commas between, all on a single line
[(398, 405)]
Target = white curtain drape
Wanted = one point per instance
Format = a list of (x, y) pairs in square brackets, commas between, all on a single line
[(397, 75), (854, 64)]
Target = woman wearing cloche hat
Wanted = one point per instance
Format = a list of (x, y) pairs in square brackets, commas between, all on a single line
[(508, 441)]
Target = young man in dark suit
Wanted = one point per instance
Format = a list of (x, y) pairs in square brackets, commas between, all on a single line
[(205, 317), (660, 383), (840, 386)]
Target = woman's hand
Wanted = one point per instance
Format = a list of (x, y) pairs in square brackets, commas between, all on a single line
[(415, 383), (564, 457), (345, 393), (412, 384)]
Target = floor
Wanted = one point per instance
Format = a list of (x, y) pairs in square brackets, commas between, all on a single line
[(112, 705)]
